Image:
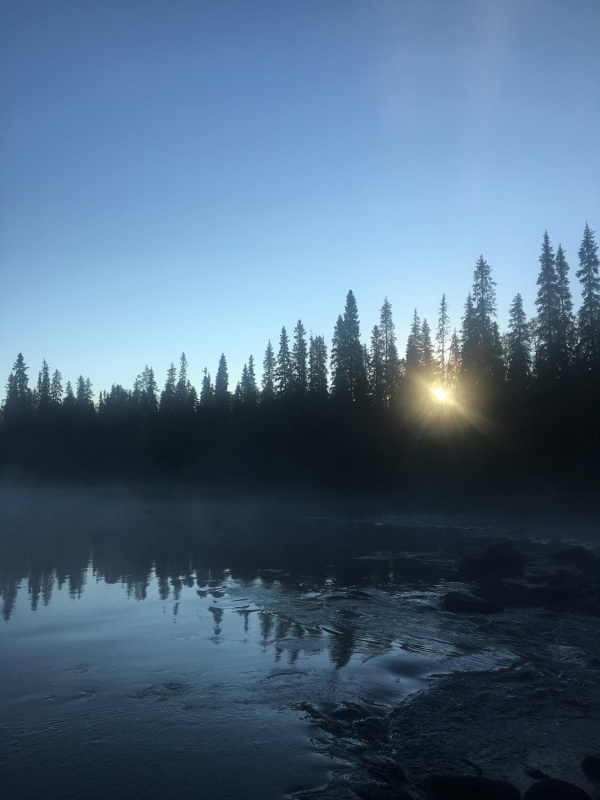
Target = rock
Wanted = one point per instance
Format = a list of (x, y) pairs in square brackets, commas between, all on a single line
[(467, 787), (553, 789), (374, 790), (500, 560), (463, 603), (591, 767), (384, 768)]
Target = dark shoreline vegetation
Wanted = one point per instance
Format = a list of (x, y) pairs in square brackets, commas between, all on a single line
[(478, 413)]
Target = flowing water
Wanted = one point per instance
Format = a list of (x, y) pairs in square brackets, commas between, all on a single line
[(166, 649)]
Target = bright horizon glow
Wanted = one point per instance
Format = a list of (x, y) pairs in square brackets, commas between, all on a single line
[(191, 177)]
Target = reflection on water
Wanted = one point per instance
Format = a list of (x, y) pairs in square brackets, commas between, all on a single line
[(172, 646)]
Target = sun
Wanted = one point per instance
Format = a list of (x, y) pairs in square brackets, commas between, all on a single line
[(441, 395)]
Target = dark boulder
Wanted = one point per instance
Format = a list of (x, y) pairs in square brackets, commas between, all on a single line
[(576, 556), (553, 789), (467, 787), (497, 560), (591, 767), (463, 603)]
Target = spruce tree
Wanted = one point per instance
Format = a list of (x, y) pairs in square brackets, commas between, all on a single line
[(442, 337), (414, 346), (248, 392), (589, 312), (222, 383), (168, 394), (518, 345), (317, 367), (268, 376), (299, 359), (283, 368), (548, 322), (390, 360), (427, 351), (56, 390), (43, 385), (376, 378), (567, 331), (206, 390)]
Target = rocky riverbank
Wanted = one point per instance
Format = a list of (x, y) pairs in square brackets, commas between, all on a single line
[(516, 731)]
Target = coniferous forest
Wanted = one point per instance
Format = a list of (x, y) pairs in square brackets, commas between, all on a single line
[(456, 411)]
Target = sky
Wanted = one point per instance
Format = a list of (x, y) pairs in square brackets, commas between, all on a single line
[(190, 176)]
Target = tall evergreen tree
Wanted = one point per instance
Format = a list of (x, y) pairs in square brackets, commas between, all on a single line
[(248, 392), (414, 345), (481, 344), (567, 330), (149, 390), (283, 368), (376, 379), (56, 389), (442, 337), (519, 345), (18, 394), (389, 352), (427, 351), (222, 383), (589, 312), (317, 367), (453, 364), (299, 359), (43, 385), (548, 323), (168, 394), (347, 354), (268, 376), (207, 390)]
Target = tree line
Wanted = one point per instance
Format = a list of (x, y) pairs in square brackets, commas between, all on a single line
[(503, 401)]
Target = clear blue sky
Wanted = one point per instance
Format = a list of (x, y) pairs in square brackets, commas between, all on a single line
[(191, 176)]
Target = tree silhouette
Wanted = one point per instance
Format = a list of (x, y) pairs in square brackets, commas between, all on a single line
[(589, 313), (221, 384), (283, 367), (268, 376)]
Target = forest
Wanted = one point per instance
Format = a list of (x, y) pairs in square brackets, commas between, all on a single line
[(457, 412)]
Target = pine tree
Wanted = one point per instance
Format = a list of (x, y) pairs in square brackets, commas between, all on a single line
[(589, 312), (355, 360), (56, 390), (453, 364), (339, 378), (248, 389), (518, 345), (43, 385), (222, 383), (390, 360), (283, 368), (376, 377), (427, 351), (317, 367), (442, 337), (167, 397), (566, 331), (150, 389), (268, 377), (18, 394), (414, 346), (299, 358), (184, 397), (548, 323), (206, 391)]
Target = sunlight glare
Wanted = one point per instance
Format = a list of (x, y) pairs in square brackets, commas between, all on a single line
[(440, 394)]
